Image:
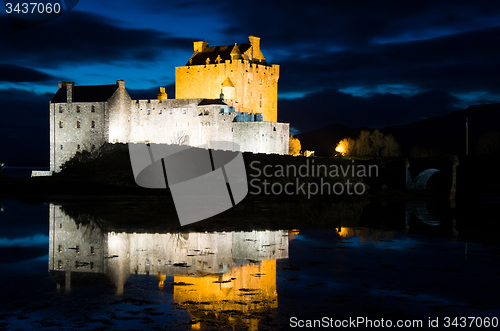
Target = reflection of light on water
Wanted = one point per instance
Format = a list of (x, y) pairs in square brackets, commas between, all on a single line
[(366, 235), (240, 292), (292, 234)]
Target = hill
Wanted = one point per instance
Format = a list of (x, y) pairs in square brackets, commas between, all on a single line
[(432, 136)]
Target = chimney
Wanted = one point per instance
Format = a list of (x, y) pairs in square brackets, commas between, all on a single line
[(255, 42), (199, 46), (69, 91), (120, 83), (61, 84)]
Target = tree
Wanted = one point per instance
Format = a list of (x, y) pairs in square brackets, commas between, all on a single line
[(489, 144), (390, 146), (377, 142), (363, 144), (346, 146), (369, 144), (294, 146)]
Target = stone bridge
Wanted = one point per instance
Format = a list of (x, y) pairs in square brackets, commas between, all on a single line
[(438, 172)]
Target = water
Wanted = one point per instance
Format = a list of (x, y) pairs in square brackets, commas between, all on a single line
[(21, 171), (406, 261)]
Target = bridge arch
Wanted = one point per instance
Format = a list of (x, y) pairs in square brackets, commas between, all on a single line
[(420, 182)]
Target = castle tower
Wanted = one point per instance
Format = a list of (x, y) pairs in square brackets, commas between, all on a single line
[(212, 70)]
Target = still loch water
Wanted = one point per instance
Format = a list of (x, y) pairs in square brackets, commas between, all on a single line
[(64, 270)]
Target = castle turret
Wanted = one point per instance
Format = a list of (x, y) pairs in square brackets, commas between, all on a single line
[(235, 53), (199, 46), (257, 55), (227, 89), (162, 95)]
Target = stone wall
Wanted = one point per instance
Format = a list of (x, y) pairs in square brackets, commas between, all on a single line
[(76, 126), (255, 85), (262, 137)]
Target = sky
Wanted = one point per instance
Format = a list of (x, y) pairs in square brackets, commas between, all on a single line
[(355, 63)]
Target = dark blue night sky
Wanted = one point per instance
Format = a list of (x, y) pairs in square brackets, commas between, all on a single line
[(357, 63)]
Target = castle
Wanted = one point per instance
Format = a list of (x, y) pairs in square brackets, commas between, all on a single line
[(223, 93)]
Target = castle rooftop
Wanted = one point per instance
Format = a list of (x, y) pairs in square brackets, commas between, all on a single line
[(87, 93), (205, 102), (204, 54)]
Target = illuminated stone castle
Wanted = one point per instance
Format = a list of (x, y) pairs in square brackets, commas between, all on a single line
[(224, 93)]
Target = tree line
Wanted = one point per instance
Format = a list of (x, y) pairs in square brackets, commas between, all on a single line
[(368, 143)]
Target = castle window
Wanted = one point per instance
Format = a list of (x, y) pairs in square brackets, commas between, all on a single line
[(60, 109), (261, 82), (91, 265), (62, 146), (184, 110), (149, 111), (91, 249), (260, 102), (77, 249), (93, 146), (78, 147), (59, 264), (93, 109), (274, 128), (248, 80), (160, 111), (77, 109), (170, 111), (60, 124), (77, 124), (60, 248), (92, 124)]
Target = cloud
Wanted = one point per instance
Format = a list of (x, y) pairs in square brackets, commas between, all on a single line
[(18, 74), (352, 24), (80, 38), (320, 109), (459, 64), (24, 126)]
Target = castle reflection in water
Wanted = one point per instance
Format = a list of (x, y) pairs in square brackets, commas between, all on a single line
[(212, 272)]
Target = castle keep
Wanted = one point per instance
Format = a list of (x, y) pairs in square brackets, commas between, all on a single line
[(224, 93)]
